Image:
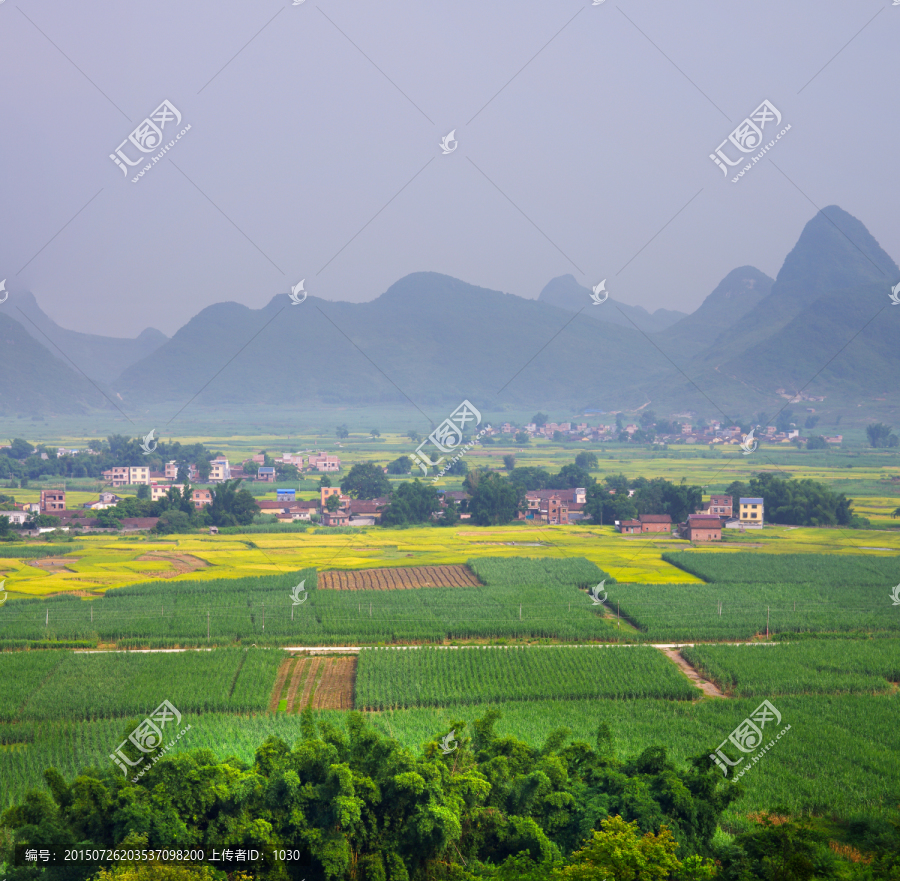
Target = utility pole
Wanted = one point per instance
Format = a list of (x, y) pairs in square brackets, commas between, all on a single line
[(520, 611), (767, 622), (264, 617), (207, 625)]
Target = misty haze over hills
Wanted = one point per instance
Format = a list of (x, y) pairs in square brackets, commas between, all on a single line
[(431, 338)]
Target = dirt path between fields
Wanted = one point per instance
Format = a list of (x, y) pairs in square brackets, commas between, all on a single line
[(182, 563), (279, 683), (296, 679), (710, 689), (310, 682)]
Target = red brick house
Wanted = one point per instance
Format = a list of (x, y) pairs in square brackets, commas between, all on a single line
[(656, 523), (629, 526), (335, 518), (53, 501), (720, 505), (703, 527)]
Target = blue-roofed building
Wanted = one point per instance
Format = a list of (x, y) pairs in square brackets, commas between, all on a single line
[(751, 512), (287, 495)]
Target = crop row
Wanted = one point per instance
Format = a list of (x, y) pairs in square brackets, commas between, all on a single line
[(810, 667), (106, 685), (839, 758), (844, 570), (438, 677)]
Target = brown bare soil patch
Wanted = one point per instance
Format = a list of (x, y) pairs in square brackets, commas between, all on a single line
[(181, 563), (335, 690), (279, 683), (296, 679), (309, 683), (710, 689), (401, 578), (54, 564)]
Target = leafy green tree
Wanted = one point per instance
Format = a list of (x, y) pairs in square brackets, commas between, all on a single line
[(375, 432), (782, 421), (619, 852), (232, 506), (605, 509), (287, 471), (811, 421), (332, 503), (569, 477), (413, 435), (4, 525), (523, 437), (801, 502), (881, 435), (143, 491), (530, 478), (586, 460), (400, 465), (540, 419), (558, 436), (19, 448), (172, 521), (817, 443), (411, 502), (342, 431), (495, 500), (450, 515), (648, 419), (366, 480), (509, 462), (324, 480), (459, 467)]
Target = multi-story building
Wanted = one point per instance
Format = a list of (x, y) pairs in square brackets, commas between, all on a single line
[(125, 475), (720, 505), (53, 500), (751, 512), (219, 470), (323, 462)]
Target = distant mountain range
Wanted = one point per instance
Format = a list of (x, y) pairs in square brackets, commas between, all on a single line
[(433, 340)]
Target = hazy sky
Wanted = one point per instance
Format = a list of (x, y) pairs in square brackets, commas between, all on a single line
[(315, 123)]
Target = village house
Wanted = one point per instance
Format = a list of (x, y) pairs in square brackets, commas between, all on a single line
[(266, 473), (53, 501), (219, 470), (719, 505), (284, 495), (124, 475), (16, 518), (327, 491), (702, 527), (335, 518), (323, 462), (751, 513), (656, 523), (629, 527)]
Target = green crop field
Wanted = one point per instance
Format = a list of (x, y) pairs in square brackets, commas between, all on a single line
[(809, 667), (839, 758), (433, 677), (688, 613), (844, 571), (76, 687), (520, 599)]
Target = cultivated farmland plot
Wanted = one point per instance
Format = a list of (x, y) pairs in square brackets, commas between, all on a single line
[(72, 687), (520, 598), (440, 677), (400, 578), (829, 666)]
